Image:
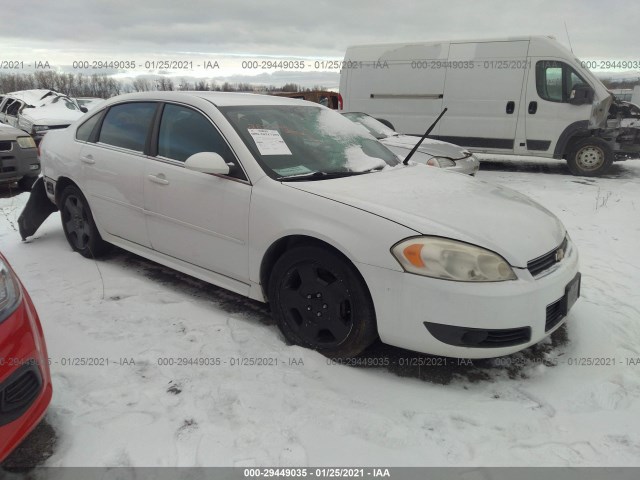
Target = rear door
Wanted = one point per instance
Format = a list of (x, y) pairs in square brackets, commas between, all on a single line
[(113, 170), (483, 89), (199, 218)]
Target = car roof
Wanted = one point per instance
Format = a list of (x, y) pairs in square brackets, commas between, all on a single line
[(221, 99), (34, 96)]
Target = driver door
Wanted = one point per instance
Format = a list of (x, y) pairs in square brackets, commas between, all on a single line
[(199, 218)]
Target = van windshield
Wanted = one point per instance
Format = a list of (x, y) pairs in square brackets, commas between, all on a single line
[(306, 141)]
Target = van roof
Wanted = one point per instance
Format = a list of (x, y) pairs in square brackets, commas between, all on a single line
[(373, 51)]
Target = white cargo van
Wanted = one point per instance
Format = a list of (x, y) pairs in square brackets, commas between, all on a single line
[(527, 96)]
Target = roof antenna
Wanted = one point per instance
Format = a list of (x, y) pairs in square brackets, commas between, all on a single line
[(568, 38)]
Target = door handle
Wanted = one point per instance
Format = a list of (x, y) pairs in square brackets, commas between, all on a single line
[(88, 159), (159, 179), (533, 107), (511, 106)]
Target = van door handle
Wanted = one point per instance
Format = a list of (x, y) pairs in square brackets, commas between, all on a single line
[(88, 159), (533, 107), (159, 179), (511, 106)]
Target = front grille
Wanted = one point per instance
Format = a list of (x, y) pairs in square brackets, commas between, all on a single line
[(479, 337), (18, 392), (555, 313), (540, 264), (5, 145)]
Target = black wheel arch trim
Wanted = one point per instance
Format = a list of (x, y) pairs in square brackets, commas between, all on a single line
[(579, 128)]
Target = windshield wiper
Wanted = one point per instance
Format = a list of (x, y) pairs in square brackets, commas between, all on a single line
[(417, 145), (322, 175)]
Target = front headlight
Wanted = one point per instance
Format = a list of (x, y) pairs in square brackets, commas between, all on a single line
[(441, 162), (9, 292), (26, 142), (451, 260), (40, 128)]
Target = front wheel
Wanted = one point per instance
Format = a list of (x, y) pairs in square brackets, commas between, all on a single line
[(78, 225), (320, 301), (590, 157)]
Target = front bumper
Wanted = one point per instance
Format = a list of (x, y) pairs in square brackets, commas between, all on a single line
[(25, 381), (468, 166), (17, 162), (404, 302)]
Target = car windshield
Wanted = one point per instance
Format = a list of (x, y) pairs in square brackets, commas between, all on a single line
[(291, 141), (376, 128)]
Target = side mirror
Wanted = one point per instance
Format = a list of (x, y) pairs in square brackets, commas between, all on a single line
[(207, 162), (581, 94)]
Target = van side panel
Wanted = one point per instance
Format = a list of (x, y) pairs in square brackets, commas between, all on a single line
[(397, 83), (483, 88)]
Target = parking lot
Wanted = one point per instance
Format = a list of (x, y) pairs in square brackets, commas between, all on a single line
[(153, 368)]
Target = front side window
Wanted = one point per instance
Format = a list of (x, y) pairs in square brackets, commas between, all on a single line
[(555, 80), (184, 132), (299, 141), (14, 108), (127, 125)]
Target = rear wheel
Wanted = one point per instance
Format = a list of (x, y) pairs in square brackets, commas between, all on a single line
[(590, 157), (320, 302), (78, 225)]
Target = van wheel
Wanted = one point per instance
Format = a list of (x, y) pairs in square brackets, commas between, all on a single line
[(320, 302), (590, 157), (78, 225)]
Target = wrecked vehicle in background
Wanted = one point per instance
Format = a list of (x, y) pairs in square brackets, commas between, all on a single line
[(90, 103), (38, 111)]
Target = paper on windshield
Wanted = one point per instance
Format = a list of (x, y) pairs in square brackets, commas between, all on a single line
[(269, 142)]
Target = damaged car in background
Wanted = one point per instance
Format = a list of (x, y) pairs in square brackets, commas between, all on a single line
[(434, 153), (288, 202), (38, 111)]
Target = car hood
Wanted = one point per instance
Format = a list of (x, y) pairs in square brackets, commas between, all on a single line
[(434, 202), (9, 133), (435, 148)]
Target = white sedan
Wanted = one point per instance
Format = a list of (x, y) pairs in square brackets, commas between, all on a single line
[(434, 153), (290, 203)]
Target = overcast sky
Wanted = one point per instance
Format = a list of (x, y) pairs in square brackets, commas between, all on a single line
[(61, 31)]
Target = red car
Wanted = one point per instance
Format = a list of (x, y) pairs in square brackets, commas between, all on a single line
[(25, 381)]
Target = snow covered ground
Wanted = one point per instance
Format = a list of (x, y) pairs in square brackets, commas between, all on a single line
[(531, 409)]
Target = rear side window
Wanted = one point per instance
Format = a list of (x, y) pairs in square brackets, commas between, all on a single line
[(84, 131), (127, 125)]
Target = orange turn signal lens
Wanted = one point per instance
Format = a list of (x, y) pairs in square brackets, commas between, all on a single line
[(413, 254)]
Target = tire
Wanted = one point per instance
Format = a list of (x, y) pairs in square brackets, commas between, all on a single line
[(590, 157), (320, 301), (25, 183), (78, 225)]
